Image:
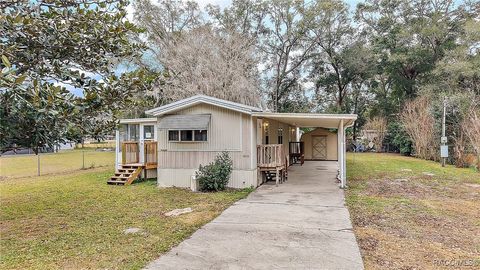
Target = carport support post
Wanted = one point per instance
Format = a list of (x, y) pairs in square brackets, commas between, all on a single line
[(339, 157), (344, 141), (341, 153), (117, 147)]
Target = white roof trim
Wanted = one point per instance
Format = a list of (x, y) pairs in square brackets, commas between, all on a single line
[(188, 102), (350, 118), (138, 120), (306, 115)]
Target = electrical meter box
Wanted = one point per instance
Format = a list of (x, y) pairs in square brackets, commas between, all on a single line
[(444, 151)]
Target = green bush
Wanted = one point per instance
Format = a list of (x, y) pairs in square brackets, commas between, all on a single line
[(215, 176), (398, 139)]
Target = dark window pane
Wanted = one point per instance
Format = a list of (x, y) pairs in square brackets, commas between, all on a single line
[(123, 132), (133, 136), (201, 135), (148, 132), (280, 136), (186, 135), (173, 135)]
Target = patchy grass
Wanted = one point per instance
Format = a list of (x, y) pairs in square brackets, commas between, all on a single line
[(411, 214), (76, 221), (12, 166)]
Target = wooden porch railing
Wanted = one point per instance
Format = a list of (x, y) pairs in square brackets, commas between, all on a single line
[(150, 153), (270, 156), (296, 152), (131, 153)]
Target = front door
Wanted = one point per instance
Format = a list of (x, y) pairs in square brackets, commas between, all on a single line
[(319, 145)]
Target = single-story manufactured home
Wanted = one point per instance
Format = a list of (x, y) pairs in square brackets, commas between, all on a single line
[(182, 135)]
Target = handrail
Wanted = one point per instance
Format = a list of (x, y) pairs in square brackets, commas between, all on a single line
[(296, 152), (270, 155), (296, 148)]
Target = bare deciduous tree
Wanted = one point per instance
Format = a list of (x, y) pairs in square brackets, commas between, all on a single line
[(471, 129), (419, 123), (207, 62), (286, 48), (195, 58), (166, 20)]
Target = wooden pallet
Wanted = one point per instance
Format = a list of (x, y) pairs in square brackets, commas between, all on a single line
[(126, 175)]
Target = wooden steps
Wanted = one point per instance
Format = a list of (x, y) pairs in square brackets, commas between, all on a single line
[(126, 175)]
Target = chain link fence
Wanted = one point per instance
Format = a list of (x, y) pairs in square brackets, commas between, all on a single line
[(25, 165)]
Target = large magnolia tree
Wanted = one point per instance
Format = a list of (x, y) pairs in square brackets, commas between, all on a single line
[(49, 45)]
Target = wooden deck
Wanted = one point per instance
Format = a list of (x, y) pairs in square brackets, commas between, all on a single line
[(272, 161), (131, 166)]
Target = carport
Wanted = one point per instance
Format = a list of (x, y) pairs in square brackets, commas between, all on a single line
[(312, 120)]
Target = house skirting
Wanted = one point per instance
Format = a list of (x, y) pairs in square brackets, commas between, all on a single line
[(182, 178)]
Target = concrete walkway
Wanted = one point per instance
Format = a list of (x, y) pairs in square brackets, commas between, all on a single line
[(301, 224)]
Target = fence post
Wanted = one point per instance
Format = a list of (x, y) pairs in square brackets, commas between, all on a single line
[(38, 163), (83, 159)]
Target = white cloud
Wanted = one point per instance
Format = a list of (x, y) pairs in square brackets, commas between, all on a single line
[(130, 11), (221, 3)]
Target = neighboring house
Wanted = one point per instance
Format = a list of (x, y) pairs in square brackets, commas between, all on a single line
[(191, 132)]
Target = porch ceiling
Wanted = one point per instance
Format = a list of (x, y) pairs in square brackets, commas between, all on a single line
[(311, 119)]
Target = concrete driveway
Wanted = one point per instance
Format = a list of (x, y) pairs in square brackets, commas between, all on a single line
[(301, 224)]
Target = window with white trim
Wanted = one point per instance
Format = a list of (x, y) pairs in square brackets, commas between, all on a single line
[(280, 136), (188, 135)]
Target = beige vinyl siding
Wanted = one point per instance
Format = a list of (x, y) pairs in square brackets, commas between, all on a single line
[(331, 143), (182, 178), (228, 131), (224, 131)]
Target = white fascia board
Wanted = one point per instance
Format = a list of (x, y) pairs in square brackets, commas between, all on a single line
[(306, 115), (138, 120), (188, 102), (349, 119)]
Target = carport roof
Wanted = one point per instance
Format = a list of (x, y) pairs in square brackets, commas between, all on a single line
[(310, 119)]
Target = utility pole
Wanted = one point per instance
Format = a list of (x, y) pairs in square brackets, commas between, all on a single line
[(444, 138)]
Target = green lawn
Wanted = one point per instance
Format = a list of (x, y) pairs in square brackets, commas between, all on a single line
[(410, 213), (76, 221), (64, 161)]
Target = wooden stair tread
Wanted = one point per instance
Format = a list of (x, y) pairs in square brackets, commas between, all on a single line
[(116, 182), (126, 175)]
